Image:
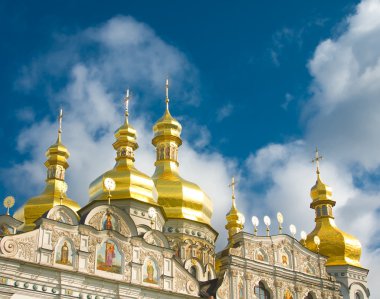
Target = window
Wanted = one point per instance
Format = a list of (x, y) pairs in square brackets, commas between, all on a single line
[(357, 295), (261, 292), (309, 296), (324, 210), (193, 271)]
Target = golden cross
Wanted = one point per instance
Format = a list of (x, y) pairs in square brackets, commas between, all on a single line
[(126, 101), (167, 93), (60, 120), (317, 159), (232, 186)]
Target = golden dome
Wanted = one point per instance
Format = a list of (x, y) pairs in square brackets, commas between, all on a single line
[(180, 198), (56, 165), (130, 182), (340, 247), (234, 221)]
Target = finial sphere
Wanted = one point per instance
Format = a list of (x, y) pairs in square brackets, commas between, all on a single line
[(109, 184), (293, 229), (267, 220), (9, 201), (255, 221), (317, 241), (303, 235), (280, 218)]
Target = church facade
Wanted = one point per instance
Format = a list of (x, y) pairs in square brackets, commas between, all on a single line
[(142, 236)]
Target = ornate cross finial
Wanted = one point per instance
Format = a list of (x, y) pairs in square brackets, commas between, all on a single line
[(317, 159), (167, 93), (232, 186), (60, 117), (126, 102)]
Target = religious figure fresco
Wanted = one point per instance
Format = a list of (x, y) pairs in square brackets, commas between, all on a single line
[(6, 230), (64, 254), (241, 289), (109, 222), (109, 258), (150, 272), (260, 256), (284, 260), (288, 294)]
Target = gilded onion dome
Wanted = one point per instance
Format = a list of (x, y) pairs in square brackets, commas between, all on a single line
[(54, 192), (340, 247), (130, 182), (180, 198), (235, 223)]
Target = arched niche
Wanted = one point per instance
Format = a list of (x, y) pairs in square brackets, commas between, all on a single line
[(65, 253), (109, 257), (156, 238), (151, 272), (63, 214), (261, 255), (194, 267), (107, 217)]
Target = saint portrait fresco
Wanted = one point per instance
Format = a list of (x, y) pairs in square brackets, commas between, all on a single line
[(150, 272), (109, 222), (109, 258), (288, 294), (284, 260), (64, 254)]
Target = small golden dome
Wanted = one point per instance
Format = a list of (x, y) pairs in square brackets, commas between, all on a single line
[(130, 182), (56, 165), (234, 221), (340, 247), (180, 198)]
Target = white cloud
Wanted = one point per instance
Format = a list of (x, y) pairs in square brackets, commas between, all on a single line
[(224, 112), (124, 53), (342, 118)]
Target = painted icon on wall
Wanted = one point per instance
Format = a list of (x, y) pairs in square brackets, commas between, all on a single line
[(288, 294), (284, 259), (64, 254), (150, 272), (109, 222), (109, 258), (6, 230), (241, 289)]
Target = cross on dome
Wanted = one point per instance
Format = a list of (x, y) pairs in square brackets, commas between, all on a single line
[(317, 159)]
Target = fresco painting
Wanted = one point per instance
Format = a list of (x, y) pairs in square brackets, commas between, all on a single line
[(109, 258)]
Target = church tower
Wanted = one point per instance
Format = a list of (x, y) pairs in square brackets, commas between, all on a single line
[(186, 206), (342, 250), (55, 188)]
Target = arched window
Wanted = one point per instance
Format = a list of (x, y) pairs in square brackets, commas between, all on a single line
[(309, 296), (357, 295), (193, 271), (261, 292)]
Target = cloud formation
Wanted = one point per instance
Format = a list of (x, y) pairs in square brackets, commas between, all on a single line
[(342, 118), (92, 68)]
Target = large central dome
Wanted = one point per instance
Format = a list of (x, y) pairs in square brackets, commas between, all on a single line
[(180, 198)]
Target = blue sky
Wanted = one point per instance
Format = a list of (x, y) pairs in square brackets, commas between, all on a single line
[(256, 86)]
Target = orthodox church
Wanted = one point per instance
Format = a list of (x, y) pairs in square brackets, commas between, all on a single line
[(142, 236)]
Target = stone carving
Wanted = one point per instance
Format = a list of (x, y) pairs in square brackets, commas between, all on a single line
[(20, 247), (95, 221), (9, 247), (180, 282), (224, 290)]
